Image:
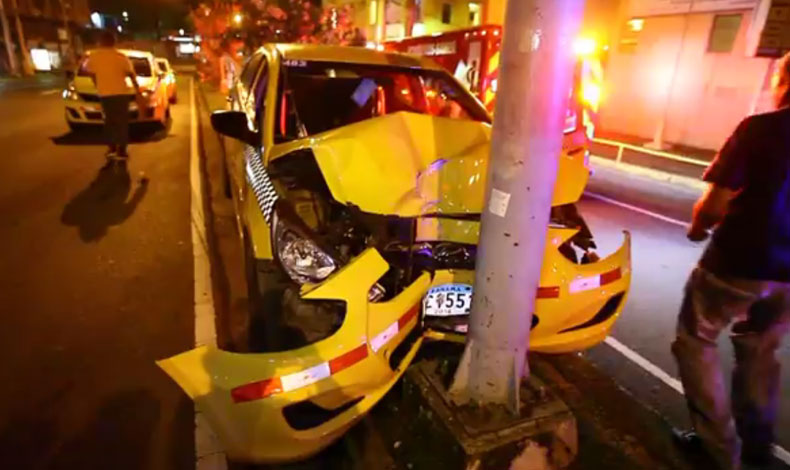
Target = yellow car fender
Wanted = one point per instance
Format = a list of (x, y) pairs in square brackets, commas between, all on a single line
[(246, 397)]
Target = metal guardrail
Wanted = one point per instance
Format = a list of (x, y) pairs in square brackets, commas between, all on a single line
[(621, 146)]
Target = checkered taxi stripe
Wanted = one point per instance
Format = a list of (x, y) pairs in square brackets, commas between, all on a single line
[(260, 182)]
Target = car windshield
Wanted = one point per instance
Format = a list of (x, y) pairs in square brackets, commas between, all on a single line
[(321, 96), (141, 65)]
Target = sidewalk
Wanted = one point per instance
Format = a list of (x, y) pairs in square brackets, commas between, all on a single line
[(41, 80), (616, 431)]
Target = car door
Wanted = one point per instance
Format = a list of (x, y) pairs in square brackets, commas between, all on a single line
[(243, 98)]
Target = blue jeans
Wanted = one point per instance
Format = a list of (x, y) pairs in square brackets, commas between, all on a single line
[(759, 312)]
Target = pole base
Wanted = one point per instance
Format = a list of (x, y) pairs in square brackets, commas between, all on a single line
[(428, 431)]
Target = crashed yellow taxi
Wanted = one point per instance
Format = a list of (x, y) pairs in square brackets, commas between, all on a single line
[(358, 193)]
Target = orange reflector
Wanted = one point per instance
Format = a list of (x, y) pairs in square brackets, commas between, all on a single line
[(611, 276), (256, 390), (552, 292), (408, 316), (348, 359)]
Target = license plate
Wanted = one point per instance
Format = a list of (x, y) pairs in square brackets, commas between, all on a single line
[(448, 300)]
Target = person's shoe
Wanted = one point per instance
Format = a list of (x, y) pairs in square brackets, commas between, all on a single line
[(757, 456), (691, 445)]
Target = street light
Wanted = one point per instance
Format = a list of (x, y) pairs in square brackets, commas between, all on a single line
[(181, 32), (237, 18), (120, 28)]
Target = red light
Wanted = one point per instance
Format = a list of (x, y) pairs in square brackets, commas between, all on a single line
[(552, 292)]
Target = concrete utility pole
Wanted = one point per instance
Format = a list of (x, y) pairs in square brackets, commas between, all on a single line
[(9, 46), (537, 63), (27, 63)]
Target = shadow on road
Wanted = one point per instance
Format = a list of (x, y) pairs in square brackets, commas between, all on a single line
[(118, 437), (94, 135), (104, 203)]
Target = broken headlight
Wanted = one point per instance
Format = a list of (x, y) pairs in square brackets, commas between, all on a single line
[(301, 258)]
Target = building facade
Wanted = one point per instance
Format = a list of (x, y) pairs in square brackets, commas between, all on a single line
[(686, 73), (681, 72)]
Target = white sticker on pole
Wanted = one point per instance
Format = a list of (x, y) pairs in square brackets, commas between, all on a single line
[(499, 202)]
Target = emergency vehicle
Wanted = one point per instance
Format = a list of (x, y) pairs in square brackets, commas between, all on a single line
[(473, 56)]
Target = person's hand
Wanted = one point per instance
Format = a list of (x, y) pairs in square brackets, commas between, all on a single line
[(697, 234)]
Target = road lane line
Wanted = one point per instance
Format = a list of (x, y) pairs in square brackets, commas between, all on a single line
[(646, 212), (209, 454), (673, 383), (50, 92), (670, 381)]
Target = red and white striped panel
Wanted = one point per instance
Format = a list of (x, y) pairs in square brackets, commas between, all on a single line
[(594, 282), (385, 336), (290, 382)]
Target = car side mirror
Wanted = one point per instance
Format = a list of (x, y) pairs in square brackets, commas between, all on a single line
[(234, 124)]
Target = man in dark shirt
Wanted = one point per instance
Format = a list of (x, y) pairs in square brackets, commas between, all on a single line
[(742, 279)]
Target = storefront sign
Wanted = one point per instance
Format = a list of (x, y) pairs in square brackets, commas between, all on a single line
[(775, 34), (676, 7)]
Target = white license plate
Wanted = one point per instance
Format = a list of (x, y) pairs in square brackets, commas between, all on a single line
[(448, 300)]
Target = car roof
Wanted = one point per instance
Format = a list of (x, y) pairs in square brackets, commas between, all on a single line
[(130, 53), (353, 55), (160, 59)]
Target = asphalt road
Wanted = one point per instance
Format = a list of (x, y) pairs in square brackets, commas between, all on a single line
[(662, 259), (96, 283)]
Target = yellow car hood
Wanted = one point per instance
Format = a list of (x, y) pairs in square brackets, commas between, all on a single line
[(409, 164)]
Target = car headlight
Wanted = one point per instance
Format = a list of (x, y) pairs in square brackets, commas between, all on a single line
[(301, 258), (149, 96), (70, 93)]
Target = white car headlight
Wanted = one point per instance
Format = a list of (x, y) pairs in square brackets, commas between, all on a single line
[(70, 93), (300, 257)]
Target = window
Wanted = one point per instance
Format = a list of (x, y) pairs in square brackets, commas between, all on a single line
[(447, 13), (629, 39), (354, 92), (474, 14), (250, 70), (724, 31)]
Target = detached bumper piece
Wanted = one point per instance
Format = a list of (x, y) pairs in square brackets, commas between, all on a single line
[(289, 405)]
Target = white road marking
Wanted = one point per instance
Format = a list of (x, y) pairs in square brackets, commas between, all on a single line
[(634, 356), (209, 454), (646, 212), (51, 92)]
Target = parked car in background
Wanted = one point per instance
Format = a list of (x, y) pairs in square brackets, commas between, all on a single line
[(168, 77), (82, 104)]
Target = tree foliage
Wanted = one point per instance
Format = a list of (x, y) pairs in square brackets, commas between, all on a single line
[(227, 27)]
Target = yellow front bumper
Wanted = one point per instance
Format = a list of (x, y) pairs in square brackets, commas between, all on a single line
[(253, 401)]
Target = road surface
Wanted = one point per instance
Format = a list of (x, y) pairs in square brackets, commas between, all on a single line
[(96, 283), (662, 259)]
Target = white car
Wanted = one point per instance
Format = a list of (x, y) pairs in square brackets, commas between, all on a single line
[(83, 107)]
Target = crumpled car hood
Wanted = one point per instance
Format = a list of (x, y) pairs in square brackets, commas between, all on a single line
[(409, 165)]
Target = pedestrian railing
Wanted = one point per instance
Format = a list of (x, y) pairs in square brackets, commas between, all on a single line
[(621, 146)]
